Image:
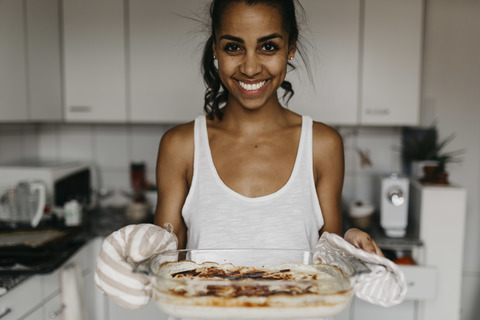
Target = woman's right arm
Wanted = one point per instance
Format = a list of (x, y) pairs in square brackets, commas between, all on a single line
[(174, 174)]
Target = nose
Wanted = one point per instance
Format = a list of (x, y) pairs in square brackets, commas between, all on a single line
[(251, 65)]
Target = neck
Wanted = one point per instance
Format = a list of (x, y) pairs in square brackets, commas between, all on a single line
[(246, 121)]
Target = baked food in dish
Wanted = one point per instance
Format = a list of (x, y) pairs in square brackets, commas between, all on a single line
[(213, 290)]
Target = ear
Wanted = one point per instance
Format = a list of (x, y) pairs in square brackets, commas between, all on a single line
[(214, 49), (292, 50)]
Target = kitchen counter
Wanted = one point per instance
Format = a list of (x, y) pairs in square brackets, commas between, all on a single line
[(97, 223)]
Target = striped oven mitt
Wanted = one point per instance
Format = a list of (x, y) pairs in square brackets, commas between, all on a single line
[(120, 251), (385, 285)]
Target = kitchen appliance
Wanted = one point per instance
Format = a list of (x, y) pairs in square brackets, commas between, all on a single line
[(394, 196), (23, 203), (64, 181)]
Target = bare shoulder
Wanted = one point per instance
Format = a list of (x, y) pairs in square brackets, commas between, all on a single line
[(179, 138), (177, 148), (328, 155), (326, 138)]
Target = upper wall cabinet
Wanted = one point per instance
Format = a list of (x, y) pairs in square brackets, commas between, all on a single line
[(165, 53), (30, 69), (391, 62), (13, 73), (365, 62), (44, 61), (95, 65), (328, 92)]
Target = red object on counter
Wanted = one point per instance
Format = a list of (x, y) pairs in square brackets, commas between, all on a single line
[(137, 175), (405, 260)]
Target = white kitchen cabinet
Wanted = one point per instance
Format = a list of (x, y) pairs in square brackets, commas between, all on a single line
[(364, 310), (43, 57), (53, 308), (40, 296), (165, 53), (30, 85), (94, 60), (22, 300), (365, 62), (36, 315), (151, 311), (13, 69), (333, 34), (441, 211), (391, 62)]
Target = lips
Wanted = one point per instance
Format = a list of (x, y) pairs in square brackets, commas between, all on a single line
[(252, 89), (252, 86)]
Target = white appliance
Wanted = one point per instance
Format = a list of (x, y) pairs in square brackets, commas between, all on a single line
[(64, 181), (394, 196)]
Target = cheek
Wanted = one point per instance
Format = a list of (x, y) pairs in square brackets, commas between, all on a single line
[(226, 68), (277, 66)]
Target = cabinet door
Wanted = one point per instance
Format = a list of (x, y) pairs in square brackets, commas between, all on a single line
[(363, 310), (21, 300), (151, 311), (391, 62), (165, 54), (53, 309), (332, 49), (94, 49), (36, 315), (13, 73), (43, 54)]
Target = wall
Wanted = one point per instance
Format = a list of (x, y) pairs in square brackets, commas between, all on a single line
[(112, 148), (451, 95)]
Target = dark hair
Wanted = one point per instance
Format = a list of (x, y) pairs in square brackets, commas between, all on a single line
[(216, 94)]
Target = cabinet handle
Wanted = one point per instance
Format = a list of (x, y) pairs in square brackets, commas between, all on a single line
[(377, 112), (80, 108), (54, 314), (5, 311)]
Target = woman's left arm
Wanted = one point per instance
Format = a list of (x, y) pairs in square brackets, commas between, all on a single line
[(329, 169)]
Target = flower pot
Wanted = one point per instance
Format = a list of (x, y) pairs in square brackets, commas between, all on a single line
[(417, 171)]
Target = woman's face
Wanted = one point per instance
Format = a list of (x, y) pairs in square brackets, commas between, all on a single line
[(252, 50)]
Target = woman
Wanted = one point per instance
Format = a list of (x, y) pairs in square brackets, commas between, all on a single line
[(240, 184), (249, 174)]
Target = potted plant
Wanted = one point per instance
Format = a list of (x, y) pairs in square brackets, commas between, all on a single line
[(424, 156)]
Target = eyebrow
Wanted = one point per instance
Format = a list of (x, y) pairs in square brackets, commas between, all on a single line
[(262, 39)]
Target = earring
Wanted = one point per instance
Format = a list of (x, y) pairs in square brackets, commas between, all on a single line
[(214, 57), (291, 58)]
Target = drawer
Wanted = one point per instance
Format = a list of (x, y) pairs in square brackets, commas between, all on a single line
[(54, 308), (21, 300), (421, 281), (51, 284)]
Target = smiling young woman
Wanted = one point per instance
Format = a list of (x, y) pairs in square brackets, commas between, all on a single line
[(251, 173)]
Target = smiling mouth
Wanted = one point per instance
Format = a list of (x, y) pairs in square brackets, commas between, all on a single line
[(252, 86)]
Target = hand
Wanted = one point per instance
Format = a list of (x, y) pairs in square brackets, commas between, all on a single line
[(385, 285), (120, 252), (362, 240)]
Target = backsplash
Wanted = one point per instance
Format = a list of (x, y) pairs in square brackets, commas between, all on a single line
[(112, 147)]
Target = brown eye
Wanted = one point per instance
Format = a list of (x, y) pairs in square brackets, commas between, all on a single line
[(232, 48), (270, 47)]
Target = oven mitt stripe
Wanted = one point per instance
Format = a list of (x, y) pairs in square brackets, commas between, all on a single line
[(385, 285), (120, 251)]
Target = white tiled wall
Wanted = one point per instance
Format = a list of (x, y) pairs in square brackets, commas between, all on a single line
[(17, 141), (112, 147), (381, 146)]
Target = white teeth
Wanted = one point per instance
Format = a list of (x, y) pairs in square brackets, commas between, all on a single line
[(251, 87)]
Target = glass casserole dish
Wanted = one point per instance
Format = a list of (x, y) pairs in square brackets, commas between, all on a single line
[(248, 283)]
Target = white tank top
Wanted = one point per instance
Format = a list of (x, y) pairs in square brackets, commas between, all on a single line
[(218, 217)]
